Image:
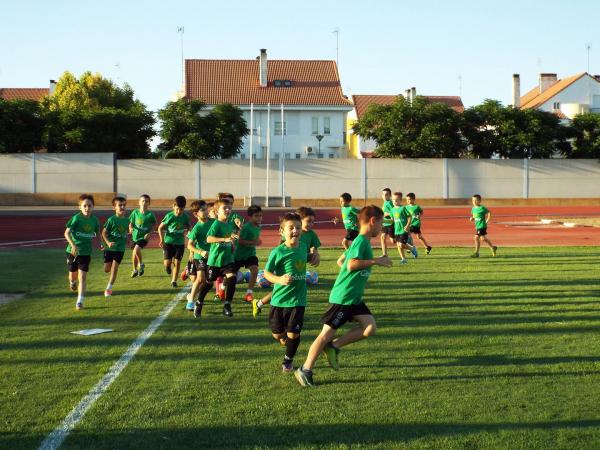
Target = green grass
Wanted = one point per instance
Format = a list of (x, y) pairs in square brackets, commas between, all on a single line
[(486, 353)]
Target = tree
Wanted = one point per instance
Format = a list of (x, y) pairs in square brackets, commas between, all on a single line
[(189, 131), (21, 126), (93, 114), (586, 136), (413, 130)]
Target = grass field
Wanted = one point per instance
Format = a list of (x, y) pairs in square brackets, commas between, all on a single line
[(485, 353)]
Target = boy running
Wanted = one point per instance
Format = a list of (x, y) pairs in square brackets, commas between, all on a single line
[(245, 251), (141, 224), (402, 222), (346, 299), (175, 223), (80, 230), (349, 216), (416, 212), (286, 269), (387, 230), (481, 216), (114, 235), (199, 248)]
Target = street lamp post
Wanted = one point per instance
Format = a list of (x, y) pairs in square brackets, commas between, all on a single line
[(319, 138)]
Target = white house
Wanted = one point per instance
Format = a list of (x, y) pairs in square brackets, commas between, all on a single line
[(309, 93), (566, 98)]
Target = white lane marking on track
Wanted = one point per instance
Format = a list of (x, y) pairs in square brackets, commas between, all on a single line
[(55, 439), (40, 241)]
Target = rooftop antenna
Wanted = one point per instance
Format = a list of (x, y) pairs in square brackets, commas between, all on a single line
[(180, 31), (460, 85), (588, 48), (336, 31)]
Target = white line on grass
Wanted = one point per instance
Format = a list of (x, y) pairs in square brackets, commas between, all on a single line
[(3, 244), (57, 437)]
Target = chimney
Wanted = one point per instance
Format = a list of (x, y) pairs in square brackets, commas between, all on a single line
[(516, 91), (413, 94), (407, 95), (547, 80), (52, 87), (597, 77), (263, 67)]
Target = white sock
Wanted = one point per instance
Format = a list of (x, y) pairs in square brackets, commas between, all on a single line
[(109, 286), (259, 304), (80, 299), (248, 291)]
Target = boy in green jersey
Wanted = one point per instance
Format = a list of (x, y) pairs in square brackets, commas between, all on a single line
[(387, 230), (175, 223), (481, 216), (416, 212), (141, 224), (80, 230), (114, 235), (245, 252), (402, 222), (286, 269), (349, 217), (220, 262), (199, 248), (346, 299)]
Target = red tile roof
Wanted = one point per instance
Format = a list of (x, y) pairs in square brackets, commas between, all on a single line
[(533, 98), (362, 102), (558, 113), (35, 94), (237, 82)]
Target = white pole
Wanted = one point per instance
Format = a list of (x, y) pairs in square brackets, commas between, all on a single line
[(268, 151), (33, 170), (282, 158), (251, 152)]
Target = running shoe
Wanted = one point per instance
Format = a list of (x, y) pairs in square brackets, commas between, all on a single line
[(134, 274), (494, 250), (227, 310), (331, 354), (107, 292), (198, 309), (403, 261), (173, 284), (304, 377), (78, 306), (287, 366), (414, 251), (475, 255), (428, 250), (141, 269), (255, 309)]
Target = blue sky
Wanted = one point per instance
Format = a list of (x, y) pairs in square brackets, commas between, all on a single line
[(385, 46)]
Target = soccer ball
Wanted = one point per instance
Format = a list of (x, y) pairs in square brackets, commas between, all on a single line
[(239, 277), (312, 277), (261, 281)]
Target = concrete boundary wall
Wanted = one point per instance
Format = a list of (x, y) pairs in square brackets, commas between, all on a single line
[(320, 179)]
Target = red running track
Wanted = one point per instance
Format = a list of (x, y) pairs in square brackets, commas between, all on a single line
[(442, 226)]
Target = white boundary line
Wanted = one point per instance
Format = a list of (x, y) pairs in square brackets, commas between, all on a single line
[(3, 244), (55, 439)]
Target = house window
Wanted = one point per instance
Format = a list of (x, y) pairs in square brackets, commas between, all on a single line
[(254, 132), (331, 155), (275, 155), (277, 83), (287, 155), (320, 156), (556, 105), (326, 125), (282, 83), (315, 125), (278, 128), (298, 155), (242, 156)]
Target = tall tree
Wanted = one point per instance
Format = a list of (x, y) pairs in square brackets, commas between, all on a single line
[(21, 126), (586, 136)]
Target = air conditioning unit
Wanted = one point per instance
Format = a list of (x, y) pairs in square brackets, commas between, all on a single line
[(308, 149)]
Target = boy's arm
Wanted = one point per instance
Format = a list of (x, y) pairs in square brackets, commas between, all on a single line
[(407, 227), (161, 227), (70, 241), (488, 217), (105, 238), (360, 264), (216, 240), (284, 279), (341, 259), (192, 248), (315, 258)]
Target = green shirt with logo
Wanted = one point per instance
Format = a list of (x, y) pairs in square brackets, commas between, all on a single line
[(117, 229), (83, 229), (349, 286), (292, 261), (141, 224), (176, 226), (311, 239), (249, 232), (198, 234), (415, 211), (350, 217), (387, 207), (400, 215), (221, 253), (479, 213)]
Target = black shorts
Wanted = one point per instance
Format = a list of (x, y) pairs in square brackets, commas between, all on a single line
[(481, 232), (214, 272), (351, 235), (289, 320), (415, 229), (338, 315), (247, 263), (388, 229), (141, 243), (110, 256), (197, 266), (402, 238), (79, 262), (171, 251)]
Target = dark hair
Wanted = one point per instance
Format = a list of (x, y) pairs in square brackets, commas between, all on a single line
[(218, 203), (180, 201), (225, 195), (367, 212), (398, 194), (89, 197), (305, 211), (346, 197), (477, 196), (411, 195), (146, 196), (254, 209), (388, 190), (196, 205), (289, 216), (118, 198)]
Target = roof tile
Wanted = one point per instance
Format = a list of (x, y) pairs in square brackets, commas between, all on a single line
[(362, 102), (35, 94)]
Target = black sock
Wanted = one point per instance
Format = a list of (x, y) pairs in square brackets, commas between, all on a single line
[(291, 347), (204, 289), (229, 283)]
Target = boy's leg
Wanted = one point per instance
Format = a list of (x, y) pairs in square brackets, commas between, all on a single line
[(422, 239), (253, 275), (383, 238), (367, 328), (175, 271), (229, 282), (477, 244), (400, 248), (490, 245), (82, 276), (325, 336)]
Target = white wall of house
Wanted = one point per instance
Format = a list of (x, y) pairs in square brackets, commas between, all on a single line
[(580, 97), (302, 124)]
